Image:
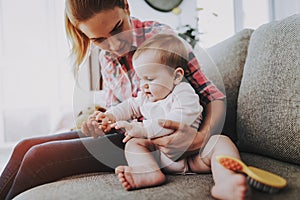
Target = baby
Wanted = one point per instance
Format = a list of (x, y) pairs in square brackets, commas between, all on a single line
[(160, 63)]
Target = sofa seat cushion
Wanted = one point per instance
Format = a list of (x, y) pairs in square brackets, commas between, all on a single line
[(268, 115), (107, 186)]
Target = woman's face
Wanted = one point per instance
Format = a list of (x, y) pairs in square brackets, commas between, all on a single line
[(110, 30)]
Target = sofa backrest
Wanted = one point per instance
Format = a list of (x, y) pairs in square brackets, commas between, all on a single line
[(223, 64), (268, 114)]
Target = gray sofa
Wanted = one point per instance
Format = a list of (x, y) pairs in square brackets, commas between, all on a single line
[(261, 74)]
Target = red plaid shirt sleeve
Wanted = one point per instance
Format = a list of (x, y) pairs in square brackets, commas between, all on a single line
[(206, 90)]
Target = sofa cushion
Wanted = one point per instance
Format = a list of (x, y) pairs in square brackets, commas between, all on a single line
[(290, 172), (268, 115), (223, 64), (107, 186)]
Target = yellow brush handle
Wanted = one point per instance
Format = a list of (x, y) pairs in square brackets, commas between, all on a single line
[(259, 175), (268, 178)]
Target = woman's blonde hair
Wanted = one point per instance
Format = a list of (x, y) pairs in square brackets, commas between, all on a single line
[(78, 11), (171, 50)]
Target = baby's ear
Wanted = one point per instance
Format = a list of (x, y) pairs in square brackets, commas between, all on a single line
[(178, 75)]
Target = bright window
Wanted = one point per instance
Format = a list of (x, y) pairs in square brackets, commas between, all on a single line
[(216, 21), (35, 77), (221, 19), (256, 13)]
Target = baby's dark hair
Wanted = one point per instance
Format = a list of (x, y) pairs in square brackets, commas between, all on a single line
[(169, 48)]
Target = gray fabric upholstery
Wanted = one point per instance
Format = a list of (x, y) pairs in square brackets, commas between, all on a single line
[(268, 120), (223, 64), (106, 186)]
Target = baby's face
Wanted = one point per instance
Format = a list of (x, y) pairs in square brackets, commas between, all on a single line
[(156, 79)]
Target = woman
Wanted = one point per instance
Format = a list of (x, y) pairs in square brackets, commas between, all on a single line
[(107, 25)]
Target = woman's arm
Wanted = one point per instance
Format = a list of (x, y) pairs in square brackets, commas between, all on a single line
[(186, 140)]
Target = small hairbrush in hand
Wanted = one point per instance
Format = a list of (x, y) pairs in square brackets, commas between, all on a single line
[(257, 178)]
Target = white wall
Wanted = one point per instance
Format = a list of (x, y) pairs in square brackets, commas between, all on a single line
[(285, 8)]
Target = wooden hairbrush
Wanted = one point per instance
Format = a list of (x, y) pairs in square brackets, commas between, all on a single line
[(257, 178)]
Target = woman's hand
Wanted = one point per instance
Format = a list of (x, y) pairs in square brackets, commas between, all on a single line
[(91, 126), (186, 140), (183, 142)]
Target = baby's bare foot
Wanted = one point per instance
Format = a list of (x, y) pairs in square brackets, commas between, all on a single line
[(234, 187), (139, 177)]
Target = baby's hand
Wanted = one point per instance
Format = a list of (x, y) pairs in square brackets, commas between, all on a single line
[(127, 126), (133, 129), (127, 138), (122, 124), (105, 121)]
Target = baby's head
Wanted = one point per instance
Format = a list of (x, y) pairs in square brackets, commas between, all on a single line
[(160, 63)]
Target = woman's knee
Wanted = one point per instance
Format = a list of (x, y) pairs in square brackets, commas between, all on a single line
[(34, 156), (23, 146)]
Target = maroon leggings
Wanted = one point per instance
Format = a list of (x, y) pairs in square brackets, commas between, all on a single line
[(41, 160)]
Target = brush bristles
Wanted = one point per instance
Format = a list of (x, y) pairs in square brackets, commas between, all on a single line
[(261, 187)]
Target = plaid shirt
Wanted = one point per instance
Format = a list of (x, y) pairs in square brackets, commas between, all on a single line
[(121, 82)]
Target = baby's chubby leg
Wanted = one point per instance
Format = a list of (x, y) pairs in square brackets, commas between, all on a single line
[(228, 185), (143, 170)]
